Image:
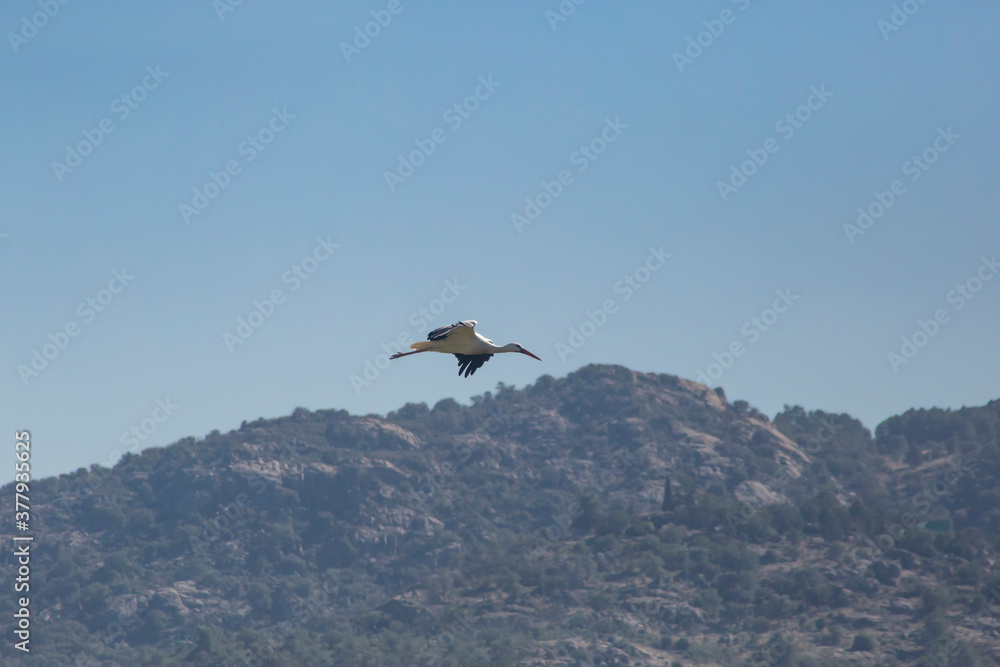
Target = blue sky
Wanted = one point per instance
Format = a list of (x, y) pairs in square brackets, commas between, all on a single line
[(267, 91)]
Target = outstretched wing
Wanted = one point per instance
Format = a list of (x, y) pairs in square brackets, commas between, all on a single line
[(470, 363), (464, 329)]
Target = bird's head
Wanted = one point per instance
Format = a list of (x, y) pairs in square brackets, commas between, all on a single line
[(516, 347)]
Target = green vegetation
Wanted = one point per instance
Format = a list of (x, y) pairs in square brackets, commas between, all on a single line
[(863, 642), (611, 517)]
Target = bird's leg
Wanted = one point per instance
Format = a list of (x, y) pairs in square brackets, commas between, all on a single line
[(404, 354)]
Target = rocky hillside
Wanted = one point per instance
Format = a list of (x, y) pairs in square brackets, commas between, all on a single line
[(608, 518)]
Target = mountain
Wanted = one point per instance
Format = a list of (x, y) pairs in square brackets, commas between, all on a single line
[(607, 518)]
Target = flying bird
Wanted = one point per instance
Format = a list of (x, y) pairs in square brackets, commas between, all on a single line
[(472, 349)]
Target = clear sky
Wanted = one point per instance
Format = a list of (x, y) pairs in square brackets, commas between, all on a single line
[(167, 165)]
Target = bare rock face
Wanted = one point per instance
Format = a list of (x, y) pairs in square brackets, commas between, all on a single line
[(388, 435), (757, 494), (169, 600), (786, 452), (270, 470), (702, 392), (373, 433)]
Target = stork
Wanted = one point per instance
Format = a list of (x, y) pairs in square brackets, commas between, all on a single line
[(472, 349)]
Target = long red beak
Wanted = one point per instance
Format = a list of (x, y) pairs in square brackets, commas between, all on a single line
[(523, 351)]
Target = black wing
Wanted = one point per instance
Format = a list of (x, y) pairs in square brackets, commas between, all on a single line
[(470, 363), (443, 332)]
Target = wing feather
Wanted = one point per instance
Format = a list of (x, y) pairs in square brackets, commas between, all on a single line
[(470, 363), (464, 329)]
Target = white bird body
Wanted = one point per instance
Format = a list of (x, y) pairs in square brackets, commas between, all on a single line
[(472, 349)]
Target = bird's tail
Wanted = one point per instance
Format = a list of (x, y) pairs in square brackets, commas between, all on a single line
[(420, 345)]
